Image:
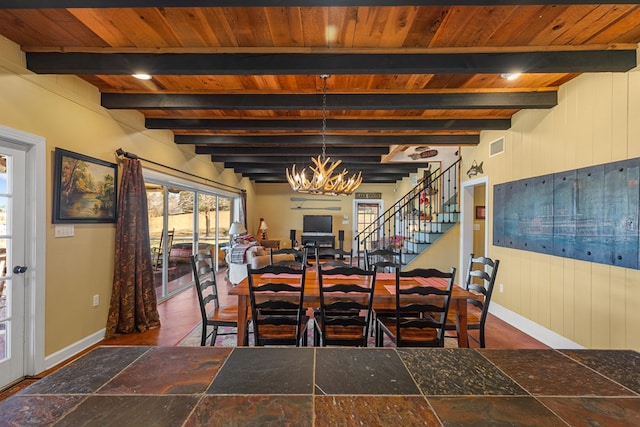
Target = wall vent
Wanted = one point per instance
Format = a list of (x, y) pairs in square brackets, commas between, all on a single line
[(496, 147)]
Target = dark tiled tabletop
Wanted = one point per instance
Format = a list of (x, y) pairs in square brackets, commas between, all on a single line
[(174, 386)]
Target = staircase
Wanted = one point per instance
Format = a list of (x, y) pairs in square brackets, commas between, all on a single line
[(418, 219)]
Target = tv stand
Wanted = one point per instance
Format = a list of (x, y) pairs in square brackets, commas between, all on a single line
[(320, 240)]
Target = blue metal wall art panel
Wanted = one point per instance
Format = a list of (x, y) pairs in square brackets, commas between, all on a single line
[(622, 201), (498, 214), (512, 203), (536, 218), (591, 244), (564, 213), (590, 214)]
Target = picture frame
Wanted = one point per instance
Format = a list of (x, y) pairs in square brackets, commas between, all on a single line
[(480, 212), (84, 189)]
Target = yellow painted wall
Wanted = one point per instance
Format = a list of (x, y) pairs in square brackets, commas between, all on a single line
[(273, 203), (596, 121), (443, 254), (66, 112)]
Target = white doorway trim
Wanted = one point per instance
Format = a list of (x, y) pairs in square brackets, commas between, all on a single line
[(35, 243), (466, 221)]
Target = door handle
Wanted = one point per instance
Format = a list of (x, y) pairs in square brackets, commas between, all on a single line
[(19, 269)]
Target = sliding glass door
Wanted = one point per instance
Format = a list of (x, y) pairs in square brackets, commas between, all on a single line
[(183, 220)]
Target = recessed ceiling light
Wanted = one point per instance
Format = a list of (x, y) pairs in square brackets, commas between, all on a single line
[(142, 76), (510, 76)]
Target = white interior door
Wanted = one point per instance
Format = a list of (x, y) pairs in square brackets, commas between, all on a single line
[(12, 264), (365, 212)]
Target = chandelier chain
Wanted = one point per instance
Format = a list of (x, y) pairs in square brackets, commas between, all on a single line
[(324, 115), (323, 179)]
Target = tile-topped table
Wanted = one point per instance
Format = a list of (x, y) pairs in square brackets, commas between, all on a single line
[(174, 386)]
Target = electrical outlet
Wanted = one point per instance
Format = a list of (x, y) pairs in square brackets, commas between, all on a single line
[(96, 300), (501, 288)]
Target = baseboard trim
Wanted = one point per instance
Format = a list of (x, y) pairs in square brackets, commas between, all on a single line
[(75, 348), (531, 328)]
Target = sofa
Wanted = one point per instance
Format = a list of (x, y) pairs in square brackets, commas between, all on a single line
[(257, 257)]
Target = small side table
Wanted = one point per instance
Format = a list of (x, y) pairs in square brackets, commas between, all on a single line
[(270, 244)]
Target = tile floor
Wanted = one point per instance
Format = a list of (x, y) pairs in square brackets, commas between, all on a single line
[(189, 386)]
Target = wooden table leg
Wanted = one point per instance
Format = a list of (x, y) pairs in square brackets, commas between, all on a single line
[(242, 319), (461, 323)]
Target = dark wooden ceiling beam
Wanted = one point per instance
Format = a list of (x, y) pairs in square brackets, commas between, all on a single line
[(379, 101), (285, 141), (289, 160), (331, 124), (268, 152), (578, 61), (370, 167), (63, 4), (280, 179), (281, 173)]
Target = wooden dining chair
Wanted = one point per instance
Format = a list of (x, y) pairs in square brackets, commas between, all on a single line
[(382, 260), (346, 300), (422, 298), (157, 252), (297, 254), (334, 264), (278, 313), (481, 278), (212, 314), (333, 254)]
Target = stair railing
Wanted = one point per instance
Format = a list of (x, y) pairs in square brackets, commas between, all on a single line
[(415, 213)]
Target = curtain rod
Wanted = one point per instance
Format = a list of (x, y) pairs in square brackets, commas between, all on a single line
[(121, 152)]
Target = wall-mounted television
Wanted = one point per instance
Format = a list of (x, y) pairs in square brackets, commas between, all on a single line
[(317, 224)]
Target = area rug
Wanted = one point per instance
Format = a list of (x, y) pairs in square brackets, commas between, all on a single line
[(192, 339)]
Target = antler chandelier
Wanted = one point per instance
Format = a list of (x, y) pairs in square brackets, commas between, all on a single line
[(323, 180)]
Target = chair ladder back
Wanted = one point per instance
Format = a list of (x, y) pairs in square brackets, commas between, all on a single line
[(337, 255), (204, 277), (158, 251), (423, 307), (335, 263), (488, 279), (342, 303), (204, 280), (276, 303), (295, 252), (382, 259)]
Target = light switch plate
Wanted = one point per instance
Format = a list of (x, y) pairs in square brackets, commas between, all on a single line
[(64, 230)]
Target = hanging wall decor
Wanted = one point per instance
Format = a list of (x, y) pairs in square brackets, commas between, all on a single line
[(589, 214), (84, 189)]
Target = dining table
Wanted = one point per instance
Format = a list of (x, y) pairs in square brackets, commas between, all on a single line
[(383, 299)]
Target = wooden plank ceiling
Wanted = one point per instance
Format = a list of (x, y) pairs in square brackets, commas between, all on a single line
[(240, 80)]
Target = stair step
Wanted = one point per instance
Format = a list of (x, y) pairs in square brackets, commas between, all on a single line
[(425, 226), (414, 247), (425, 237), (449, 217)]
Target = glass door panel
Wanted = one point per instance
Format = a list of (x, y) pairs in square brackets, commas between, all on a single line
[(157, 239), (366, 213), (12, 256), (180, 220), (225, 218)]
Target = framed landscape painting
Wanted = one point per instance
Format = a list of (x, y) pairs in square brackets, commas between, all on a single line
[(84, 189)]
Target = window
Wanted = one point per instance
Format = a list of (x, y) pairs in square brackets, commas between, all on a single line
[(185, 218)]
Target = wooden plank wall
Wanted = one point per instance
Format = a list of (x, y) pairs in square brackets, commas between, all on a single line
[(596, 121)]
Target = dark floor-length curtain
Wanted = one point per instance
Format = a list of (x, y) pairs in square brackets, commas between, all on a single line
[(243, 209), (133, 299)]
